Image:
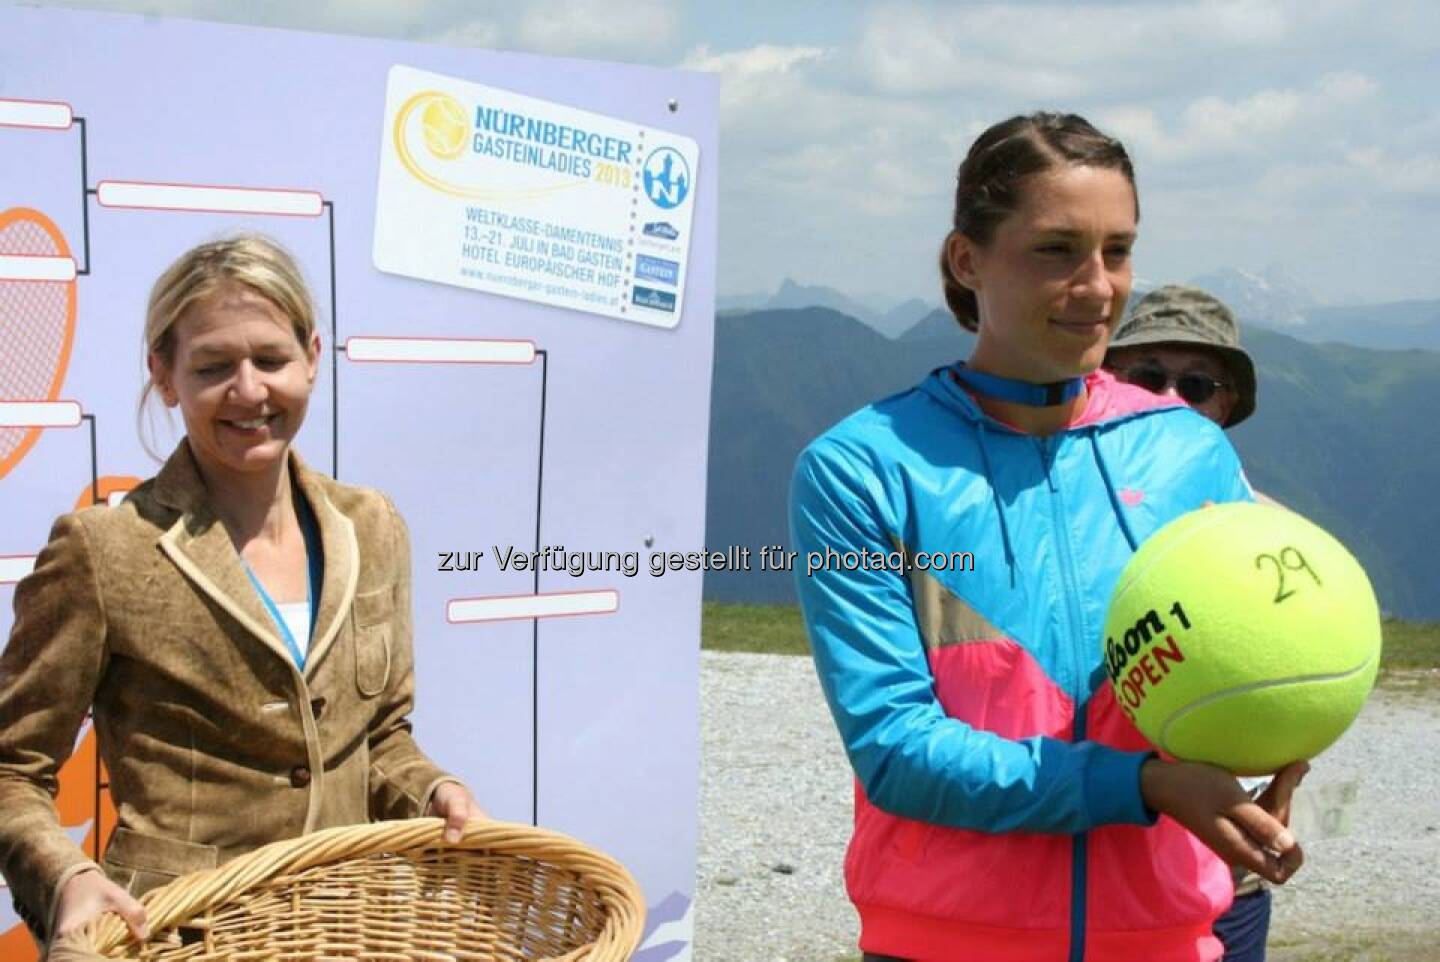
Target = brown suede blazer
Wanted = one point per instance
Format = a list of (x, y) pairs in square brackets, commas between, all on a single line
[(215, 741)]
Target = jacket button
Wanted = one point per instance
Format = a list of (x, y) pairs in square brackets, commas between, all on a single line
[(317, 705), (299, 776)]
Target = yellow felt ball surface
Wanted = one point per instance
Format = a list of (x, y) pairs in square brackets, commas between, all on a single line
[(445, 126), (1242, 635)]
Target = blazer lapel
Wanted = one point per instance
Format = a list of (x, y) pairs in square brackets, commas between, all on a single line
[(342, 563), (200, 547)]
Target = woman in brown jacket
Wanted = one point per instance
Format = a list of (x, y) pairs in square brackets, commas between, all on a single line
[(240, 624)]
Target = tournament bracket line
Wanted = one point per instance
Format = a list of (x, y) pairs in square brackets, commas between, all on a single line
[(536, 605)]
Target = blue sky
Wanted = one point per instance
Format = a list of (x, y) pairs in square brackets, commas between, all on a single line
[(1301, 136)]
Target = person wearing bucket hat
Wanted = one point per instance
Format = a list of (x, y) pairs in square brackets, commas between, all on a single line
[(1183, 339)]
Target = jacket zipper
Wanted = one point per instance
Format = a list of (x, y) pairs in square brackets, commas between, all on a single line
[(1079, 847)]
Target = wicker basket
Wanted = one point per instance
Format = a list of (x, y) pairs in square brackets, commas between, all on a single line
[(388, 892)]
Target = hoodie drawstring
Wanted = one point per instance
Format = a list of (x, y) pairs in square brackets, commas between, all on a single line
[(980, 432), (1114, 495)]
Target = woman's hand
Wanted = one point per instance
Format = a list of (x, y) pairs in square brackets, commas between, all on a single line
[(89, 895), (1211, 804), (453, 802)]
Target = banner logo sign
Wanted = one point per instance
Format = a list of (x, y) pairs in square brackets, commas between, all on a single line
[(667, 178), (657, 269), (492, 190)]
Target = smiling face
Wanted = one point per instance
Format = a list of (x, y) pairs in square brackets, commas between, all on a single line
[(1053, 280), (241, 379)]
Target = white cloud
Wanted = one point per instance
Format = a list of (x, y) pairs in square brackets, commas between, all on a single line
[(1213, 123), (751, 62), (1417, 175), (1055, 50), (1213, 127), (1346, 87), (598, 28), (757, 84), (372, 16), (907, 53), (633, 30), (473, 33), (1138, 126)]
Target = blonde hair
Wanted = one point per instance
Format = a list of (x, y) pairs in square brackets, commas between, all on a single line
[(251, 260)]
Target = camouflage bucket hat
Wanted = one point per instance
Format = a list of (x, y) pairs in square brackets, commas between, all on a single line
[(1177, 314)]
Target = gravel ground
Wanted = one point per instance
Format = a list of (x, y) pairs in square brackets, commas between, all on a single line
[(775, 808)]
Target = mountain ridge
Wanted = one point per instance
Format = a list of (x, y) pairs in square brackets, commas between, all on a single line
[(1335, 435), (1265, 300)]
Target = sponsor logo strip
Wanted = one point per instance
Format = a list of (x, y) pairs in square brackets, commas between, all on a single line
[(657, 269), (653, 299)]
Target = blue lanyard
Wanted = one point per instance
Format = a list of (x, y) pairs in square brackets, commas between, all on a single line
[(314, 574)]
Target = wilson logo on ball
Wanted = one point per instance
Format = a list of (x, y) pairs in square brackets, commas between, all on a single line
[(1142, 658)]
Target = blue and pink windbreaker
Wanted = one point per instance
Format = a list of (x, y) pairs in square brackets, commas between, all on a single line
[(998, 813)]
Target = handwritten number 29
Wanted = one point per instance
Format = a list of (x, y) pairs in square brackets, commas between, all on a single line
[(1290, 559)]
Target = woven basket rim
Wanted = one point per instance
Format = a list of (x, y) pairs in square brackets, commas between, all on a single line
[(181, 900)]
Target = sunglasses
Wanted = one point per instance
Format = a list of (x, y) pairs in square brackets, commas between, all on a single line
[(1193, 388)]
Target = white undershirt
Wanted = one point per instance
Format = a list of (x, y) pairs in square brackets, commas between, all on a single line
[(297, 619)]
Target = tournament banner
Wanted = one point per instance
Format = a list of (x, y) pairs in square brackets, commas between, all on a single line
[(488, 189), (513, 257)]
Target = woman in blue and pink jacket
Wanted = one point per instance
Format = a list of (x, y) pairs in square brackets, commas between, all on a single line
[(961, 542)]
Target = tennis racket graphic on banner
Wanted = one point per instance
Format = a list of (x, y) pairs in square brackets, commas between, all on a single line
[(37, 326)]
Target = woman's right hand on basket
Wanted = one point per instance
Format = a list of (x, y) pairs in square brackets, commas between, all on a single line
[(1210, 803), (89, 895)]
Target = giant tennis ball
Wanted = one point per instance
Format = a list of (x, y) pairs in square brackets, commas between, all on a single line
[(1242, 635)]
